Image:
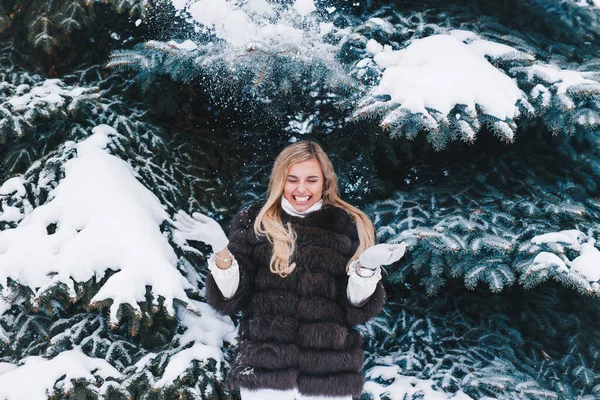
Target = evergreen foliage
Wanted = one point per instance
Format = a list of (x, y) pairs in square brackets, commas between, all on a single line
[(50, 22), (562, 107), (523, 345), (479, 221), (271, 82), (32, 100), (265, 74)]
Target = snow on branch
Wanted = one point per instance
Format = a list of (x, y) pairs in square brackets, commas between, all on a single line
[(453, 84), (100, 218), (551, 261), (446, 87), (258, 22), (259, 48), (37, 376), (408, 72), (33, 99), (206, 334), (403, 387), (439, 72)]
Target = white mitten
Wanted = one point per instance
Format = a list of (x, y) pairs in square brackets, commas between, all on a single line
[(199, 227), (381, 254)]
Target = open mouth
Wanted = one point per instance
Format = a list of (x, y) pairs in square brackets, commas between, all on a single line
[(301, 199)]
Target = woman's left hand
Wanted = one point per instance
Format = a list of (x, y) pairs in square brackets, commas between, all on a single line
[(381, 254)]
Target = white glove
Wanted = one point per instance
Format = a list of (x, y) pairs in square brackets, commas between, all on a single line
[(381, 254), (199, 227)]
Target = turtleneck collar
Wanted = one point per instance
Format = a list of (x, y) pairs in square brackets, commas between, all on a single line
[(289, 208)]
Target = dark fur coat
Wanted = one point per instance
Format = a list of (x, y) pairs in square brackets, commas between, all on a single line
[(297, 332)]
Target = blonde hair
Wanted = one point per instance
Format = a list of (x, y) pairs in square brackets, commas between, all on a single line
[(268, 222)]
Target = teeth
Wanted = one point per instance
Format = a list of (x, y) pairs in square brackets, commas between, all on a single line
[(301, 198)]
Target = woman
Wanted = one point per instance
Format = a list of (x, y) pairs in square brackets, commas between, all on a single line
[(303, 269)]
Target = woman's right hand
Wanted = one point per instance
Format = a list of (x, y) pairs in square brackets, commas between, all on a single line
[(199, 227)]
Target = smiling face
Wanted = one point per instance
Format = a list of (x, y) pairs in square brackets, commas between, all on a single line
[(304, 179)]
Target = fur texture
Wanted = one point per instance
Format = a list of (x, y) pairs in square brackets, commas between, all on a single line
[(296, 332)]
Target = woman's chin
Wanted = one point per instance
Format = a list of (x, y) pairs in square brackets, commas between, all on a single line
[(301, 207)]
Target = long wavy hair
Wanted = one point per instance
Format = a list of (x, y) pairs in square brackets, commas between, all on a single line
[(283, 238)]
